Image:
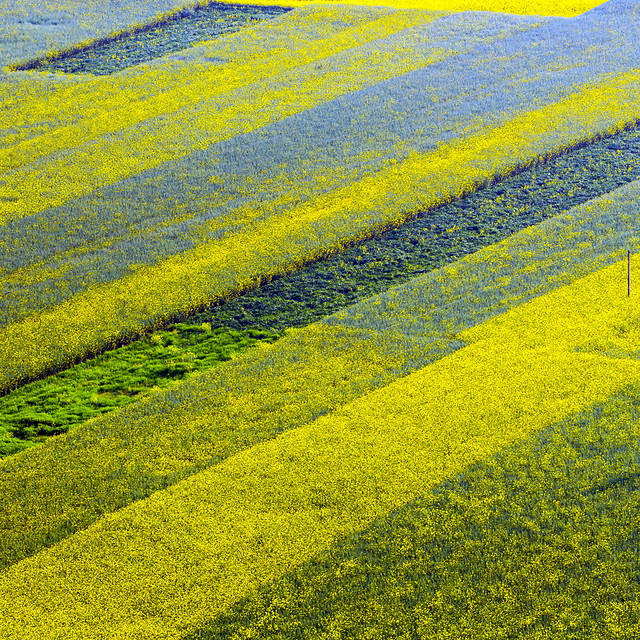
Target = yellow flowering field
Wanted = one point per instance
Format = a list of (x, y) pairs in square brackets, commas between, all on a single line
[(380, 473)]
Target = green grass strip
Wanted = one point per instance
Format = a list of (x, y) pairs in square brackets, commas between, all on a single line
[(40, 410)]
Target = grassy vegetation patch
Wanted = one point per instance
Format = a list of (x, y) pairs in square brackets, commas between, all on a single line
[(39, 410)]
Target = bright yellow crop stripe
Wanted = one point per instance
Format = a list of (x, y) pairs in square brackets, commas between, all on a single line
[(566, 8), (277, 246), (193, 116), (161, 566)]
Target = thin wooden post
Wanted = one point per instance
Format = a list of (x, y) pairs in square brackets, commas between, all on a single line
[(628, 273)]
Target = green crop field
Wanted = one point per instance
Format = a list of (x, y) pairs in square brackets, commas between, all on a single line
[(319, 320)]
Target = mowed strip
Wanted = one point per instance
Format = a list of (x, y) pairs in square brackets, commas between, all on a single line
[(214, 270), (162, 566)]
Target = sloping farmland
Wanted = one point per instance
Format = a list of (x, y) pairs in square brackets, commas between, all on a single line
[(328, 485)]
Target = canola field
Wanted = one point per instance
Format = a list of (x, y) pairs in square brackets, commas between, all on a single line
[(452, 458)]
